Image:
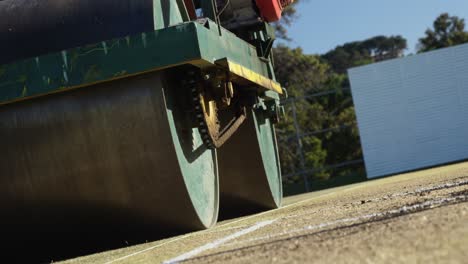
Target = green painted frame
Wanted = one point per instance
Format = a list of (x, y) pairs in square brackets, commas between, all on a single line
[(199, 44)]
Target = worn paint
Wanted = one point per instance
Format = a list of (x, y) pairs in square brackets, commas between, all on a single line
[(187, 43), (239, 71)]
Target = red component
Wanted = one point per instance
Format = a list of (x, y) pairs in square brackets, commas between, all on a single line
[(271, 10), (190, 9)]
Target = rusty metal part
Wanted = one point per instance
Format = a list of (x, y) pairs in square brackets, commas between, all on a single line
[(207, 102), (191, 10), (206, 112), (243, 75), (232, 126), (228, 94)]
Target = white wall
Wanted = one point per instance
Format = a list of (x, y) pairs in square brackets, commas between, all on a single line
[(413, 112)]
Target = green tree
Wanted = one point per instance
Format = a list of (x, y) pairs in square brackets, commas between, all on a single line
[(297, 71), (301, 74), (447, 31), (327, 124), (288, 17), (359, 53), (304, 76)]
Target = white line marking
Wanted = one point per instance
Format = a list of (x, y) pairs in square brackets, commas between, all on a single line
[(218, 242), (147, 249), (395, 212), (422, 190), (215, 229), (219, 228), (391, 196)]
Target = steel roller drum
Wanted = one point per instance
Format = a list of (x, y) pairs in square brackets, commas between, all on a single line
[(119, 159), (34, 27), (249, 168)]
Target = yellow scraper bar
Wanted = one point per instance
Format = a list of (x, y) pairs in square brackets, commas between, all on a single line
[(241, 72)]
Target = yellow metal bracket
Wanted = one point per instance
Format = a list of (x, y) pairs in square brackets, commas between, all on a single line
[(241, 74)]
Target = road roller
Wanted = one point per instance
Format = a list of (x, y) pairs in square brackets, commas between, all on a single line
[(121, 120)]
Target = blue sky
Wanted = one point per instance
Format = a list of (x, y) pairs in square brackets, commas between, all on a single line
[(323, 25)]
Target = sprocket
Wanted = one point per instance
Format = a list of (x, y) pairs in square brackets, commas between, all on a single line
[(206, 112), (207, 103)]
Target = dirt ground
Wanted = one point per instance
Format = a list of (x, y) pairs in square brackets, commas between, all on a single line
[(412, 218)]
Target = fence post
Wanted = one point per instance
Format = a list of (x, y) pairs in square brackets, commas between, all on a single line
[(300, 150)]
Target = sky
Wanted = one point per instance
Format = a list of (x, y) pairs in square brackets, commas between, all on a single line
[(324, 24)]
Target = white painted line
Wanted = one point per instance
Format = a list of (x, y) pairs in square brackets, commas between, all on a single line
[(147, 249), (215, 229), (393, 195), (218, 242), (395, 212), (220, 228)]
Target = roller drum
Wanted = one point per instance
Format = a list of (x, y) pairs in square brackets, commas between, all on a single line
[(34, 27), (119, 160), (249, 168)]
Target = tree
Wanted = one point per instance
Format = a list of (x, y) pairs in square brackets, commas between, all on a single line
[(327, 124), (358, 53), (304, 75), (298, 71), (288, 17), (447, 31), (301, 74)]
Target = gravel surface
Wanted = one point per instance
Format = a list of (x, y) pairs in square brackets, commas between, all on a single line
[(411, 218)]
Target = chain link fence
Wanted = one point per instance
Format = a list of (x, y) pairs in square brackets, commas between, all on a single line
[(299, 175)]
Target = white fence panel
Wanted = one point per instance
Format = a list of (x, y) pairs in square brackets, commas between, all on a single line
[(413, 112)]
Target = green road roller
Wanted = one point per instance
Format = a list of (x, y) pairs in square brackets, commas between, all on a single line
[(127, 119)]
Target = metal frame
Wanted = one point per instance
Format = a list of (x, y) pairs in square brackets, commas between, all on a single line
[(196, 43)]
